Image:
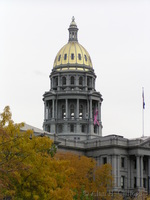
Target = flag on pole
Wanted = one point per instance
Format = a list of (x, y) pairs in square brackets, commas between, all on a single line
[(143, 98)]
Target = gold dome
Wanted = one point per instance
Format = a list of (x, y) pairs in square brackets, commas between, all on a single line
[(73, 55)]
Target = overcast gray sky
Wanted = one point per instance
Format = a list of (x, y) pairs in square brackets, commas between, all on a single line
[(115, 33)]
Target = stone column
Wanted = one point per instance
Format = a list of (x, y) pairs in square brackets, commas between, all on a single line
[(85, 83), (99, 112), (148, 175), (90, 119), (141, 171), (90, 109), (118, 170), (129, 172), (77, 111), (53, 107), (114, 165), (137, 171), (87, 111), (67, 109), (56, 109), (44, 110), (59, 82)]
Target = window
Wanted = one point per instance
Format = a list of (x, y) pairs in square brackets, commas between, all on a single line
[(72, 128), (122, 162), (65, 56), (134, 163), (59, 57), (144, 182), (89, 81), (122, 182), (80, 80), (72, 80), (64, 81), (144, 164), (83, 128), (80, 111), (95, 128), (72, 111), (63, 112), (79, 56), (72, 56), (134, 182), (85, 58), (104, 160)]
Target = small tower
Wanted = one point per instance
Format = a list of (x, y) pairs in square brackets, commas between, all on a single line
[(72, 107)]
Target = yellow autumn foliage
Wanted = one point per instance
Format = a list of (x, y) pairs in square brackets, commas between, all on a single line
[(30, 169)]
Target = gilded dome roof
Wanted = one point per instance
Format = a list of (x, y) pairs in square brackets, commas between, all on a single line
[(73, 54)]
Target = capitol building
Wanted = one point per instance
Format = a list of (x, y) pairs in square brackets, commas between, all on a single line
[(72, 118)]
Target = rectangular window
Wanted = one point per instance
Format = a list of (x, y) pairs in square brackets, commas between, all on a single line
[(122, 162), (122, 182), (72, 128), (59, 57), (144, 165), (144, 182), (83, 128), (85, 57), (65, 56), (104, 160), (134, 163), (134, 182), (79, 56), (72, 56)]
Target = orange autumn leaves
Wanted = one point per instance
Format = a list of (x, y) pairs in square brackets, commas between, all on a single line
[(30, 169)]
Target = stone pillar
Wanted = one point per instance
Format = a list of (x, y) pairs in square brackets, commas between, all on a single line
[(91, 120), (44, 110), (77, 111), (114, 166), (59, 82), (137, 171), (141, 171), (56, 114), (129, 172), (118, 170), (85, 83), (148, 175), (67, 109), (90, 109), (53, 107)]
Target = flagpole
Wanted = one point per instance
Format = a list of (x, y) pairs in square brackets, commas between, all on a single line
[(143, 107), (143, 123)]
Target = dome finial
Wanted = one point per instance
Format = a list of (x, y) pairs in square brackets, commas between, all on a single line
[(73, 30)]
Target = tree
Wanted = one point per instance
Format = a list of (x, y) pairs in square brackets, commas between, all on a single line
[(31, 169), (27, 167)]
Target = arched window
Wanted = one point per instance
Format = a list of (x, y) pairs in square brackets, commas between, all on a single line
[(80, 80), (63, 112), (64, 81), (72, 80), (72, 111), (81, 112)]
